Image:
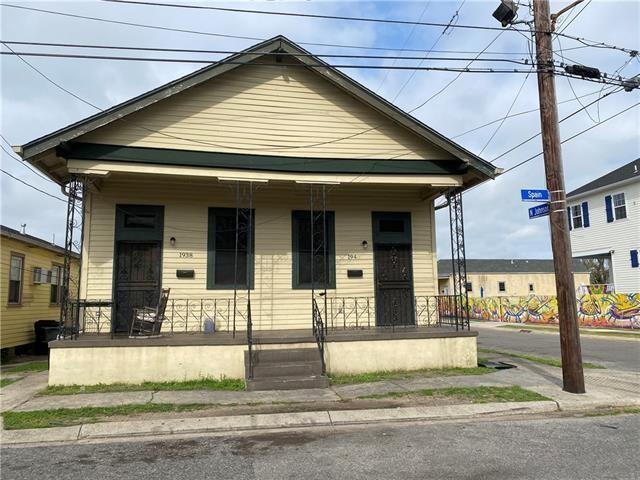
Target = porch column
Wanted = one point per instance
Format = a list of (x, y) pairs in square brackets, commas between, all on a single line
[(458, 260)]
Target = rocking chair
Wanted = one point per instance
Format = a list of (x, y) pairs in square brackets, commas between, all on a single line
[(147, 321)]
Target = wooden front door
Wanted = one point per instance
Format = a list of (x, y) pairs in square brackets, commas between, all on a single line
[(392, 252), (137, 263)]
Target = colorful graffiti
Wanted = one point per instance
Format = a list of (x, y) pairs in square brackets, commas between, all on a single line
[(598, 310)]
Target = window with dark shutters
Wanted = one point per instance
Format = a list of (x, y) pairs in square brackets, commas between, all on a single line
[(585, 214), (608, 206), (634, 259), (303, 255)]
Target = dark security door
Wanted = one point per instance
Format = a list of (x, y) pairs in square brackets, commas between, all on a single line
[(392, 254), (137, 263)]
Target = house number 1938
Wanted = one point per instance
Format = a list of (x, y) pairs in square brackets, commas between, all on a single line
[(352, 256), (185, 254)]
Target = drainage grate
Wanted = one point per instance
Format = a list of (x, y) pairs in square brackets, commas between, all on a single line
[(497, 365)]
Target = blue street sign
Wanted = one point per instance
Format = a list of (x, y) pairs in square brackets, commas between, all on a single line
[(539, 211), (531, 195)]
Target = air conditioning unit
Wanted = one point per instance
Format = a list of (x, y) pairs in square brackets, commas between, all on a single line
[(41, 276)]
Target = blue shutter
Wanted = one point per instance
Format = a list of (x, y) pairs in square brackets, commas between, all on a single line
[(634, 259), (569, 216), (609, 208), (585, 214)]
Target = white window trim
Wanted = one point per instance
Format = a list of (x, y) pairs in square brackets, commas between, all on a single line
[(573, 216), (614, 206)]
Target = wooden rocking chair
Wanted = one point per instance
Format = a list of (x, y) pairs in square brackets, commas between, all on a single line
[(147, 321)]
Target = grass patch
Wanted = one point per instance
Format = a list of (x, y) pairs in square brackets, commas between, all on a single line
[(8, 381), (37, 366), (472, 394), (64, 417), (399, 374), (614, 411), (582, 331), (231, 384), (554, 362)]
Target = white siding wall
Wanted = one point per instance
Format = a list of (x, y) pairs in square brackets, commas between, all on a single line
[(274, 303), (619, 237)]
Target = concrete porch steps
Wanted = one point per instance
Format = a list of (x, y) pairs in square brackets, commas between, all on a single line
[(285, 369)]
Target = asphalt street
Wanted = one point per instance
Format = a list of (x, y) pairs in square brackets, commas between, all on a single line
[(553, 448), (614, 353)]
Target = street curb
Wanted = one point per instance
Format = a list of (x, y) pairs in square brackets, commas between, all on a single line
[(238, 423)]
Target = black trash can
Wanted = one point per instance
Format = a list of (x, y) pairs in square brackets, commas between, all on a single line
[(46, 331)]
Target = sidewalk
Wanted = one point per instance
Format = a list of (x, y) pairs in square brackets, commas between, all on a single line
[(329, 407)]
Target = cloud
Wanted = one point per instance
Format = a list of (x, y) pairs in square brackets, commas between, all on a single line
[(496, 221)]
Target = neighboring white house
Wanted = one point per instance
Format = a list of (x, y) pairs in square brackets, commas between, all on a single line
[(604, 219)]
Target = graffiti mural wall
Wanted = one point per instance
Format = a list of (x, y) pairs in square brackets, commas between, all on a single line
[(600, 310)]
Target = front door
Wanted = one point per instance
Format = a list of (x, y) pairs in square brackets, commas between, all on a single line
[(137, 262), (392, 252)]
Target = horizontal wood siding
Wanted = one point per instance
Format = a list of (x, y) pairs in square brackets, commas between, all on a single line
[(267, 110), (16, 321), (274, 303)]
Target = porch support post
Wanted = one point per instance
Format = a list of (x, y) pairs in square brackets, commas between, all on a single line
[(458, 260), (75, 190)]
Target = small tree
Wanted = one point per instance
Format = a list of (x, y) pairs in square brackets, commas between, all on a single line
[(598, 270)]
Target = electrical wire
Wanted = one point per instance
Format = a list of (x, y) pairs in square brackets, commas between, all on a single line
[(497, 129), (32, 186), (356, 19), (435, 43)]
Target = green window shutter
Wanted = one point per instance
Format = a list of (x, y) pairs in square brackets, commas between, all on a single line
[(227, 216), (299, 219)]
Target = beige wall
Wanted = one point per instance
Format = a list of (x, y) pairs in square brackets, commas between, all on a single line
[(16, 321), (274, 303), (258, 109), (517, 284), (137, 364)]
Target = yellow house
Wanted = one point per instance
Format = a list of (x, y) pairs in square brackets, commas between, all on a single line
[(282, 203), (509, 277), (30, 285)]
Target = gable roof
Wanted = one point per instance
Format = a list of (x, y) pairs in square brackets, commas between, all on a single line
[(519, 265), (31, 240), (626, 172), (38, 147)]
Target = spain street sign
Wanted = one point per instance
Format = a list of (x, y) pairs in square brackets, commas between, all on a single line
[(534, 195), (539, 211)]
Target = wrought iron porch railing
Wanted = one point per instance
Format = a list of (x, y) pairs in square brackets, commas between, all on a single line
[(319, 332), (207, 314)]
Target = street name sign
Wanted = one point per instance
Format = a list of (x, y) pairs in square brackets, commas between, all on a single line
[(532, 195), (539, 211)]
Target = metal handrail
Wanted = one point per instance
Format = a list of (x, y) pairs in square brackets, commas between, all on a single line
[(319, 333), (250, 338)]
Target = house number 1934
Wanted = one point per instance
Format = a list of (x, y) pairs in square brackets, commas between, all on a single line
[(185, 254)]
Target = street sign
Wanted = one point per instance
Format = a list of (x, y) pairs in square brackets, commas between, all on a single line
[(531, 195), (539, 211)]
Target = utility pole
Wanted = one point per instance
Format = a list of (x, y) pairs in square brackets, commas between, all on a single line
[(572, 374)]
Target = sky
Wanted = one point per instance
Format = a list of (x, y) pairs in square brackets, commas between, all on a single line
[(496, 221)]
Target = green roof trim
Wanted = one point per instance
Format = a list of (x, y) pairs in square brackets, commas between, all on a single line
[(192, 158)]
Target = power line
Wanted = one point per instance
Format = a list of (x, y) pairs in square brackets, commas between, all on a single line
[(404, 44), (268, 54), (26, 165), (560, 121), (435, 43), (574, 136), (357, 19), (305, 15), (32, 186), (524, 112), (564, 27), (294, 65), (495, 132)]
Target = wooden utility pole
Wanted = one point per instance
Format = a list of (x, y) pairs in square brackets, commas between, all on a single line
[(572, 375)]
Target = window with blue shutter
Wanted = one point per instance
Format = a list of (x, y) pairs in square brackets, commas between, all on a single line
[(569, 216), (634, 259), (608, 205), (585, 214)]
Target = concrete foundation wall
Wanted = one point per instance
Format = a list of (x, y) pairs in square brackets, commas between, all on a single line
[(137, 364)]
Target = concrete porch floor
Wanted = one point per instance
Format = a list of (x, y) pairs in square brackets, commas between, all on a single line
[(265, 337)]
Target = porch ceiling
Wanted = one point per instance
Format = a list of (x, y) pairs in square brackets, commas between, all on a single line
[(99, 168)]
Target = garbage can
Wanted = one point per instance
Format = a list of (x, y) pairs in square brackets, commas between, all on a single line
[(46, 331)]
